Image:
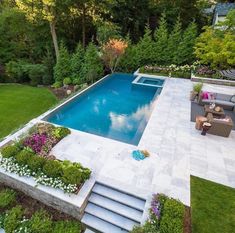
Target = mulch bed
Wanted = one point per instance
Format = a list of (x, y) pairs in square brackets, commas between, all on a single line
[(187, 220), (61, 92), (31, 206)]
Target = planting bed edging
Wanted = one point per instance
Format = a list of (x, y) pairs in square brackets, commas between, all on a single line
[(212, 81), (72, 204)]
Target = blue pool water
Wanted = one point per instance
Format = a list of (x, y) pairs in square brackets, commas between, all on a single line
[(113, 108)]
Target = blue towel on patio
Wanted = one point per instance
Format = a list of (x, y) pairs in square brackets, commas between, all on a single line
[(138, 155)]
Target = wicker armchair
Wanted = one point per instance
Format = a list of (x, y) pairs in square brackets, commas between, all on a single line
[(220, 127)]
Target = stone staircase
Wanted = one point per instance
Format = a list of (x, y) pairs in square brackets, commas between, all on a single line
[(111, 210)]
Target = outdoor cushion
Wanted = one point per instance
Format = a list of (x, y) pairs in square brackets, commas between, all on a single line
[(232, 99), (223, 97), (225, 103), (207, 101)]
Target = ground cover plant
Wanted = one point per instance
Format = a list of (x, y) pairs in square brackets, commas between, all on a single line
[(166, 215), (213, 207), (24, 214), (30, 157), (19, 104)]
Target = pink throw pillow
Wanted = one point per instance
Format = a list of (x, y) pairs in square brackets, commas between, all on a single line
[(205, 95)]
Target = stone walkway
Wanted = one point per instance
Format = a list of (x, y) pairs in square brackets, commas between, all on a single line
[(177, 150)]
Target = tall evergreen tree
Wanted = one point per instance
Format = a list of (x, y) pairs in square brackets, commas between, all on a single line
[(173, 42), (145, 48), (186, 47), (62, 68), (92, 68), (161, 36), (77, 63)]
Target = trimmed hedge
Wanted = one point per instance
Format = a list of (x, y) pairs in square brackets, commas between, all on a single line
[(9, 151)]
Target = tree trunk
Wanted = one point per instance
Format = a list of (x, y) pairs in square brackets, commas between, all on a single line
[(84, 26), (54, 38)]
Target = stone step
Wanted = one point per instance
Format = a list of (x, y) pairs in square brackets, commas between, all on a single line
[(126, 199), (111, 217), (89, 231), (101, 225), (116, 207)]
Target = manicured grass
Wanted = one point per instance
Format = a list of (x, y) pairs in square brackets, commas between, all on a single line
[(19, 104), (213, 207)]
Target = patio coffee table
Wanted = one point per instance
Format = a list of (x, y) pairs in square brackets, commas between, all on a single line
[(207, 110)]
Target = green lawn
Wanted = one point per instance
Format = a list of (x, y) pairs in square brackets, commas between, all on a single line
[(19, 104), (213, 207)]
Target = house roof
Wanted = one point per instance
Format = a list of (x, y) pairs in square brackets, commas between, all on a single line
[(222, 9)]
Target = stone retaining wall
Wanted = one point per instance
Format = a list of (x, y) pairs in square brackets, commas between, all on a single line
[(48, 199), (213, 81)]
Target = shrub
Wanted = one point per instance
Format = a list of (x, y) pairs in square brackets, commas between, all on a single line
[(41, 222), (12, 219), (36, 163), (7, 198), (70, 226), (2, 219), (36, 73), (197, 87), (146, 228), (67, 81), (24, 156), (60, 132), (9, 151), (53, 168), (57, 84), (172, 217), (72, 175)]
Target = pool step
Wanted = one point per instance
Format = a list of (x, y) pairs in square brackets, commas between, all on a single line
[(111, 210)]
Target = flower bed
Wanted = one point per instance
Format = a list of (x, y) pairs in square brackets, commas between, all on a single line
[(30, 157), (21, 214), (166, 215), (170, 71)]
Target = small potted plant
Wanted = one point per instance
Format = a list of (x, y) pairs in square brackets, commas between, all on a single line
[(196, 90)]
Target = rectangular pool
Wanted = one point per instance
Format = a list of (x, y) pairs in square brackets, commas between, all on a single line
[(113, 108)]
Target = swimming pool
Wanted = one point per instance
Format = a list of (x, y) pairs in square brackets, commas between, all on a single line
[(113, 108)]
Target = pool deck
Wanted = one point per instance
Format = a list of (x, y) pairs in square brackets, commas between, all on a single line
[(177, 151)]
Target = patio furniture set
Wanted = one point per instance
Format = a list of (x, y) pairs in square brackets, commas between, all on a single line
[(215, 120)]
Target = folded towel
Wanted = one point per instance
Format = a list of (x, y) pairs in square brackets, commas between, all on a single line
[(138, 155)]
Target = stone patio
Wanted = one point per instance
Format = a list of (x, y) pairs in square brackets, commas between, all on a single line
[(177, 151)]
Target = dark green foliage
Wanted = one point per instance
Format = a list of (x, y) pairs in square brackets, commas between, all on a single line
[(70, 226), (186, 47), (92, 68), (36, 163), (2, 219), (9, 151), (23, 157), (36, 73), (172, 217), (77, 63), (62, 68), (7, 198), (48, 62), (72, 175), (53, 168), (161, 45), (12, 220), (41, 222)]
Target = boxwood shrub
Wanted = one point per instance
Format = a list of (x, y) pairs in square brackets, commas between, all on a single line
[(9, 151), (72, 175), (24, 156), (53, 168), (36, 163), (70, 226)]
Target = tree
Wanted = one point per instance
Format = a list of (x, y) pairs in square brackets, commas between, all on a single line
[(161, 37), (48, 10), (62, 68), (173, 42), (92, 68), (186, 47), (216, 48), (77, 62), (113, 50)]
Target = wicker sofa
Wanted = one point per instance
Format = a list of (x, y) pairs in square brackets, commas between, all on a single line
[(220, 127), (221, 100)]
